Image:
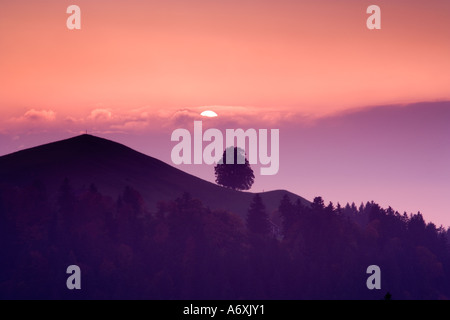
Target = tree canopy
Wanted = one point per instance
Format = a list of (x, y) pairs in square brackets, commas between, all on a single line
[(233, 170)]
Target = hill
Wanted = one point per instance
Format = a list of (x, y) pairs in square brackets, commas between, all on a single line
[(112, 166)]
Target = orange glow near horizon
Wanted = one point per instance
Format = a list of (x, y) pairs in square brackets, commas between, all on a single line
[(310, 57)]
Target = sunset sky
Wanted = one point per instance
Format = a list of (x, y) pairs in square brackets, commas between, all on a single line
[(363, 114)]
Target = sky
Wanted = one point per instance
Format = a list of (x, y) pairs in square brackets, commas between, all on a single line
[(137, 70)]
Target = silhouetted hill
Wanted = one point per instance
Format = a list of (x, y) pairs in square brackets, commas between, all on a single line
[(111, 167)]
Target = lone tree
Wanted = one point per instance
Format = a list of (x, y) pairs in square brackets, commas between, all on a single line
[(257, 218), (233, 170)]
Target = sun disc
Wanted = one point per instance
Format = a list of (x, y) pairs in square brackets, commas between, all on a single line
[(209, 114)]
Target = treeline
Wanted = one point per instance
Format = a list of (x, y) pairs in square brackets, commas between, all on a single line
[(414, 257), (185, 250)]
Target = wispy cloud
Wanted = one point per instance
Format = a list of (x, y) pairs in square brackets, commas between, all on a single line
[(100, 115), (145, 119), (35, 116)]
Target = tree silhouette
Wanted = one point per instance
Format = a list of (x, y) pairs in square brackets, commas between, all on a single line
[(257, 218), (233, 170), (286, 210), (318, 205)]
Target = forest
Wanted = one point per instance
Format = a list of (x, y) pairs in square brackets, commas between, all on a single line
[(185, 250)]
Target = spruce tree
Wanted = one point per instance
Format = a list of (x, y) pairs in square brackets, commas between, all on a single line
[(257, 219)]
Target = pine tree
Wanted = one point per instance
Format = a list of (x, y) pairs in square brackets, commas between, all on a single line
[(286, 210), (318, 205), (257, 219)]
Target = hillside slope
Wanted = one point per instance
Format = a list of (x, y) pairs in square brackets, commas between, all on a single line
[(111, 167)]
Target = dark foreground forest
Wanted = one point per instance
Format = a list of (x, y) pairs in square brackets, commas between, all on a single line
[(184, 250)]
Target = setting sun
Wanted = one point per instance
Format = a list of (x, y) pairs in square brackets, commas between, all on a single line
[(209, 114)]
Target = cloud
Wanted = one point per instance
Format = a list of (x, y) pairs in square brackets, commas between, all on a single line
[(36, 116), (248, 116), (31, 122), (100, 115), (102, 119), (70, 120), (181, 117), (106, 120), (131, 126)]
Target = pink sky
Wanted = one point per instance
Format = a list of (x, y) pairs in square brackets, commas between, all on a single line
[(302, 56), (138, 69)]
